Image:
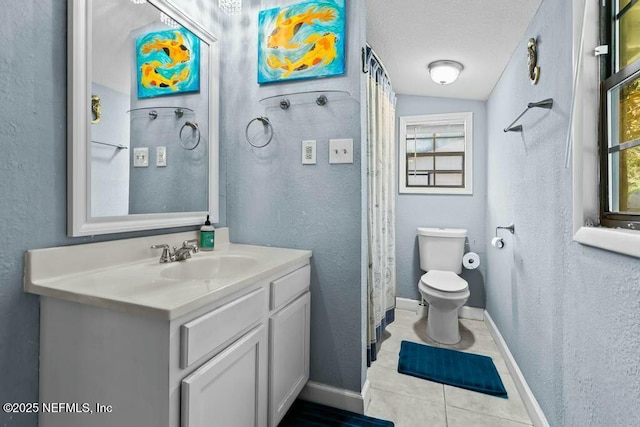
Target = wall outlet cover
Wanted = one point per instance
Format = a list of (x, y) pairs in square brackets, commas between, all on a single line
[(309, 152), (141, 157), (341, 150), (161, 156)]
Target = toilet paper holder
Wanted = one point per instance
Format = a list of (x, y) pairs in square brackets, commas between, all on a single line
[(498, 242), (510, 227)]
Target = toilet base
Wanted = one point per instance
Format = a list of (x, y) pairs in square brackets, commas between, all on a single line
[(442, 325)]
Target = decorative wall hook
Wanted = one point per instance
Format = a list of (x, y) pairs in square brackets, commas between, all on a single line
[(532, 61), (96, 108)]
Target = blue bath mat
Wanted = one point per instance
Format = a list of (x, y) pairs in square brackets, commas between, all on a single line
[(308, 414), (451, 367)]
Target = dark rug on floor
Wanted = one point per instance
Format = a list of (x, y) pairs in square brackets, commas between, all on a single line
[(303, 414), (452, 367)]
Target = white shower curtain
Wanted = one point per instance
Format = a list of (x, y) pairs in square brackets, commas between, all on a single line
[(381, 203)]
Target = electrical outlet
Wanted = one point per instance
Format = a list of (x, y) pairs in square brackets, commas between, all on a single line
[(161, 156), (141, 157), (309, 152)]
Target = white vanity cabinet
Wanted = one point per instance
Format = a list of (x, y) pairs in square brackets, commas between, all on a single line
[(238, 361), (288, 341)]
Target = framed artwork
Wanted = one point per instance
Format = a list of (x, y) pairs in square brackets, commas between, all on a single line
[(301, 41), (168, 63)]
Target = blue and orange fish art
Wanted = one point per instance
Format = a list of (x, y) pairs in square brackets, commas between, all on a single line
[(152, 76), (286, 29), (168, 63), (301, 41), (175, 49), (322, 52)]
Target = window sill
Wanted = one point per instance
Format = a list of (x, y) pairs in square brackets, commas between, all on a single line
[(626, 242)]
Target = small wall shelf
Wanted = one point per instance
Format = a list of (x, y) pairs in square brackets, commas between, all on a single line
[(319, 97)]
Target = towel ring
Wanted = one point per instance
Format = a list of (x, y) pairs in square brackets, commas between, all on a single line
[(265, 122), (194, 127)]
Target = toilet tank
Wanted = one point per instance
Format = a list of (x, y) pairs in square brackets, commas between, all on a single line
[(441, 248)]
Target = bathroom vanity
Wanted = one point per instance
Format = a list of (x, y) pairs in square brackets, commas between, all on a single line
[(221, 339)]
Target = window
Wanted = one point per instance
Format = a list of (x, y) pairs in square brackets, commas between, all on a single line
[(620, 124), (436, 154)]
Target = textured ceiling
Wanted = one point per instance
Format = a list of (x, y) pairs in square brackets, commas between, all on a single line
[(481, 34)]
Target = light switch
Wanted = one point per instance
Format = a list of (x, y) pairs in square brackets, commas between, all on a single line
[(341, 151), (309, 152), (161, 156), (141, 157)]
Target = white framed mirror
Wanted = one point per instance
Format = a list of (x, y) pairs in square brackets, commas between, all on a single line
[(143, 118)]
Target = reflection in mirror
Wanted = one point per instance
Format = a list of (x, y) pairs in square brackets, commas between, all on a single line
[(149, 148), (143, 89)]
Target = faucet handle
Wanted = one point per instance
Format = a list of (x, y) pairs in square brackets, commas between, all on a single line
[(193, 244), (166, 254)]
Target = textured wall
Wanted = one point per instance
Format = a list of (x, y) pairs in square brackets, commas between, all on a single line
[(569, 313), (33, 168), (435, 210), (274, 200)]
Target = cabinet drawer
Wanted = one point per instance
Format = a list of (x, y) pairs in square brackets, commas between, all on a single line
[(290, 286), (216, 329)]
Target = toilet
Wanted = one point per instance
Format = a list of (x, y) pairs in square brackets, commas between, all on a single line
[(441, 251)]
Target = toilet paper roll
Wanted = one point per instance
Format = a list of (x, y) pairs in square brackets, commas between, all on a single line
[(471, 260), (497, 242)]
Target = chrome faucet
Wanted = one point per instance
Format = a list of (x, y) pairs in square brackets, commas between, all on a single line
[(178, 254)]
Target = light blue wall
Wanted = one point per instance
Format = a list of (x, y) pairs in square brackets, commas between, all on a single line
[(569, 313), (452, 211), (33, 170), (272, 199)]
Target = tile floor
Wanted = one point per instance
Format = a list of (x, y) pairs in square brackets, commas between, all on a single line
[(413, 402)]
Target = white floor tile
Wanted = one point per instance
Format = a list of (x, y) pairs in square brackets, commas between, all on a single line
[(405, 411), (410, 401), (511, 409), (462, 418)]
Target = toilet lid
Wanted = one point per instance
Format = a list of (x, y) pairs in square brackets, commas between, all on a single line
[(445, 281)]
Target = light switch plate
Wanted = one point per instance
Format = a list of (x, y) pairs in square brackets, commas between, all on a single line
[(341, 151), (309, 152), (141, 157), (161, 156)]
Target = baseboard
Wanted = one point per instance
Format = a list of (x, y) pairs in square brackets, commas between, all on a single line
[(466, 312), (337, 397), (533, 408)]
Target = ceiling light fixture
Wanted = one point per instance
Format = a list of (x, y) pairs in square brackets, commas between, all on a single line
[(445, 71), (231, 7)]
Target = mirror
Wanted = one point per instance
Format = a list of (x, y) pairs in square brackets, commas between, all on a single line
[(143, 87)]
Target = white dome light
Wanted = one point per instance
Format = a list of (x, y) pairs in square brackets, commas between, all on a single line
[(444, 72)]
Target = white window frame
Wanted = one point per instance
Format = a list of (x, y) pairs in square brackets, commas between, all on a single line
[(586, 183), (406, 121)]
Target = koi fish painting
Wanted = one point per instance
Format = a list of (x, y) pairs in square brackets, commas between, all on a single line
[(301, 41), (168, 63)]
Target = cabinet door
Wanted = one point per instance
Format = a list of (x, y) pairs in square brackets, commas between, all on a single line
[(288, 356), (231, 389)]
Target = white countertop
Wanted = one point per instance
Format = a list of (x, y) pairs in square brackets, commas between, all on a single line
[(125, 275)]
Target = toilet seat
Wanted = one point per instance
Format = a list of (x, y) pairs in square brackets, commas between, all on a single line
[(444, 281)]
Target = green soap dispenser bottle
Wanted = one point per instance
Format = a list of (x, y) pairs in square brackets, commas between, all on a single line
[(207, 236)]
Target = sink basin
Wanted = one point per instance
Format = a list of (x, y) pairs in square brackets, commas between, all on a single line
[(214, 267)]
